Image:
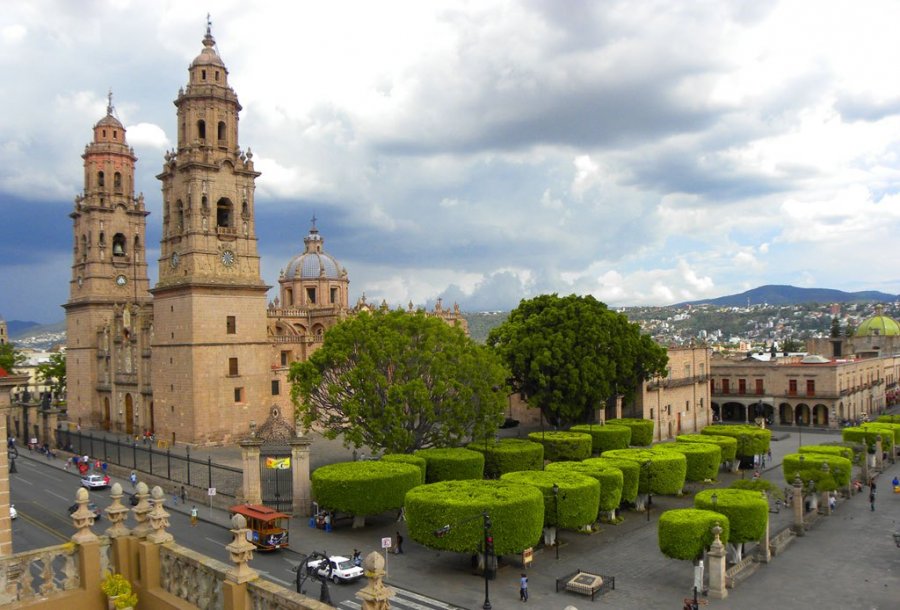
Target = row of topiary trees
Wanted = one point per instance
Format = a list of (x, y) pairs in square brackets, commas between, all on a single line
[(573, 492)]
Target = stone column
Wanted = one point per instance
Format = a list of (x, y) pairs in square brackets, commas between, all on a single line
[(619, 405), (764, 552), (798, 506), (241, 551), (879, 458), (158, 518), (864, 464), (375, 595), (252, 489), (302, 501), (83, 519), (716, 555), (141, 512)]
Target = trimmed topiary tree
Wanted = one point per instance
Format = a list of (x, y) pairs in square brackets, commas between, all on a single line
[(747, 512), (641, 430), (405, 458), (838, 450), (560, 446), (685, 533), (516, 512), (452, 464), (574, 506), (867, 436), (762, 485), (703, 459), (727, 444), (609, 477), (810, 469), (891, 430), (751, 440), (363, 488), (662, 472), (605, 437), (509, 455), (631, 474)]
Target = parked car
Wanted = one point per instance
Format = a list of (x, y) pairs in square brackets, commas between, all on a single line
[(95, 481), (336, 568), (13, 513), (91, 507)]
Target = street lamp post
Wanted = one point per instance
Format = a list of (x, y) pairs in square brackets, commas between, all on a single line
[(649, 465), (488, 542), (555, 490), (743, 449), (488, 551)]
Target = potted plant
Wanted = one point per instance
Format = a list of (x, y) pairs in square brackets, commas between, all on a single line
[(118, 589)]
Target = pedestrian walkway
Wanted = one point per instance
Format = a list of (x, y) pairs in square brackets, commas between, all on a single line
[(404, 598)]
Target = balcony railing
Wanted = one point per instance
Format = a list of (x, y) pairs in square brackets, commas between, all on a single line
[(43, 573)]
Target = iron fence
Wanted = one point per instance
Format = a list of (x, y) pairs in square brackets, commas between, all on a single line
[(162, 463)]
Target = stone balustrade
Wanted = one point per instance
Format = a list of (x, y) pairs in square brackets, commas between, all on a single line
[(37, 574), (163, 574)]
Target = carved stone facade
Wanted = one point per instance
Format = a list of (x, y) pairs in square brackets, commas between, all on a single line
[(202, 356)]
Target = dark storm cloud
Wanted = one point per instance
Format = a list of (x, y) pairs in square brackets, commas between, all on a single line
[(30, 231)]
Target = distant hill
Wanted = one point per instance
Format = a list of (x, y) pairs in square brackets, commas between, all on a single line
[(481, 323), (792, 295), (18, 327)]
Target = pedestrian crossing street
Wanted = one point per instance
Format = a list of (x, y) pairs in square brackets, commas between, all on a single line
[(406, 599)]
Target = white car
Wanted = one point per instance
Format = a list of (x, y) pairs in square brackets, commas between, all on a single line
[(336, 568), (95, 481), (13, 513)]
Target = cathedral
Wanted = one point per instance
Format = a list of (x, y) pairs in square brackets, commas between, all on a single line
[(201, 356)]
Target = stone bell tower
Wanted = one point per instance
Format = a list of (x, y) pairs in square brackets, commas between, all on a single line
[(109, 303), (210, 355)]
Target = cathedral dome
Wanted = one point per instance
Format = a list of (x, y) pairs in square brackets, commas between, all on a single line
[(208, 56), (109, 121), (878, 325), (314, 262)]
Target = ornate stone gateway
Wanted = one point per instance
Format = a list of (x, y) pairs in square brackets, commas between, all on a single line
[(275, 464)]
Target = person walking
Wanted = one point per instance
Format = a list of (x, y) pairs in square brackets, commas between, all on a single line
[(523, 588), (133, 479), (399, 547), (872, 499), (183, 495), (194, 516), (174, 496)]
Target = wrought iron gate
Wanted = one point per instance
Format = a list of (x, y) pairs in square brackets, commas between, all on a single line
[(276, 482)]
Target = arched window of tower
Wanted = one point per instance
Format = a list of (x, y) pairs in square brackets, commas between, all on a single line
[(245, 210), (221, 134), (117, 182), (224, 213), (201, 128), (102, 240), (119, 245), (101, 181)]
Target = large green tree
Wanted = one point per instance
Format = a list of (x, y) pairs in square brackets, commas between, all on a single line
[(399, 381), (10, 357), (53, 373), (569, 355)]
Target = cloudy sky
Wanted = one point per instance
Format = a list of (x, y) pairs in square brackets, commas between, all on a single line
[(643, 152)]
